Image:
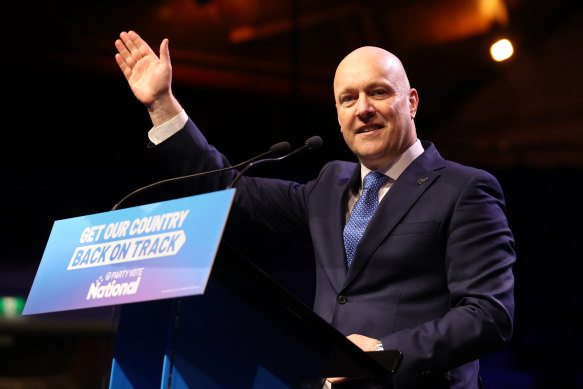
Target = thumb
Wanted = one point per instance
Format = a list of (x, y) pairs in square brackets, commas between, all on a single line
[(164, 52)]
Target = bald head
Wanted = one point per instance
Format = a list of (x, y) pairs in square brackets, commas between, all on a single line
[(375, 105), (365, 57)]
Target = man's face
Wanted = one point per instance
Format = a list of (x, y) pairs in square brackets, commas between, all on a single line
[(375, 106)]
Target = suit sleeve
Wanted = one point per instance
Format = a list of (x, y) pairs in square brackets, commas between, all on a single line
[(282, 203), (478, 259)]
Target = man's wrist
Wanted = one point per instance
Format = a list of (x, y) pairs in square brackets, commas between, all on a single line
[(159, 134), (380, 346), (164, 109)]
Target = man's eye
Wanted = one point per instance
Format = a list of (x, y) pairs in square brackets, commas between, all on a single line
[(379, 92), (345, 100)]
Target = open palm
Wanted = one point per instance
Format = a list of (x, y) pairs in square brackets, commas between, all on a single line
[(148, 76)]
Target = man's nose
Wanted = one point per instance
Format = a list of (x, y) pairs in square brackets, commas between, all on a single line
[(364, 109)]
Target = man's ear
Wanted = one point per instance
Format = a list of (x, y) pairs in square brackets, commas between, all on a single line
[(413, 102)]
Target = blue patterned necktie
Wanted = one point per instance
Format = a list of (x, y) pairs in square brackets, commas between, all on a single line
[(362, 212)]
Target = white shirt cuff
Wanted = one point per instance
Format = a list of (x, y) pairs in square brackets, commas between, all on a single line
[(164, 131)]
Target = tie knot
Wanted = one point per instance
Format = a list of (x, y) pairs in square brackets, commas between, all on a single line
[(374, 180)]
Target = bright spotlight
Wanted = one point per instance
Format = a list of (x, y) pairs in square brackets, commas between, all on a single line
[(501, 50)]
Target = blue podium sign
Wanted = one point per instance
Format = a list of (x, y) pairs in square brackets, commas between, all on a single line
[(150, 252)]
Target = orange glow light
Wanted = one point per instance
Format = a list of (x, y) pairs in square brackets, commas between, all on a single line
[(501, 50)]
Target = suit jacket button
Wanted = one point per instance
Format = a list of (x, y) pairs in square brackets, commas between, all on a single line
[(341, 299)]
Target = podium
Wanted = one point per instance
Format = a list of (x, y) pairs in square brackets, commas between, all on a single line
[(194, 313), (245, 331)]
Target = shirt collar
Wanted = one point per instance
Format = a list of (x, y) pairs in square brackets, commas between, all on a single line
[(398, 165)]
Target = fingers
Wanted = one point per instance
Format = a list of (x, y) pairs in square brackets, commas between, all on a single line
[(335, 380), (137, 46), (128, 49), (134, 44), (124, 52), (363, 342), (132, 48), (126, 70), (136, 59), (124, 59)]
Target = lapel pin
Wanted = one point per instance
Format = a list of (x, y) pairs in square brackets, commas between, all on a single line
[(422, 180)]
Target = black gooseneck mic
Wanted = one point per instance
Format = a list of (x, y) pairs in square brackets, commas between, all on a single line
[(312, 143), (275, 150)]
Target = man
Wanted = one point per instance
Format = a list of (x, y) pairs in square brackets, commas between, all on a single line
[(430, 274)]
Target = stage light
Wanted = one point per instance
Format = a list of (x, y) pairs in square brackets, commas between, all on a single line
[(501, 50), (11, 306)]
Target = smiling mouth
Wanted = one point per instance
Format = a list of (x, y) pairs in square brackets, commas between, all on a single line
[(369, 128)]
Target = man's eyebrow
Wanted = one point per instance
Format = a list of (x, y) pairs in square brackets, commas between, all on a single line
[(371, 86), (379, 84), (346, 89), (343, 92)]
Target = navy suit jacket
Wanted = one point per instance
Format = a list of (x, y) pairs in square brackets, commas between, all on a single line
[(432, 275)]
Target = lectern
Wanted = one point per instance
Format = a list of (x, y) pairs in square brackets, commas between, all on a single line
[(194, 313), (245, 331)]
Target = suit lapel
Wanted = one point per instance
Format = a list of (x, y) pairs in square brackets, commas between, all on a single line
[(411, 184)]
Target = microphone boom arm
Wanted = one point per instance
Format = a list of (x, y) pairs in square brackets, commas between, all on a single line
[(311, 144), (275, 149)]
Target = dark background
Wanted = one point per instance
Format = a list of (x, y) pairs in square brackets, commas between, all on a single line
[(74, 139)]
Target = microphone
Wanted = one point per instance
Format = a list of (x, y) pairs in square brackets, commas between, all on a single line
[(275, 150), (313, 143)]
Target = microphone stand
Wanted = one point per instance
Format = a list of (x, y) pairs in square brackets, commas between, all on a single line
[(312, 143), (277, 148)]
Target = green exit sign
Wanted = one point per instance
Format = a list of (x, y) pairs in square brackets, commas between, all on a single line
[(11, 306)]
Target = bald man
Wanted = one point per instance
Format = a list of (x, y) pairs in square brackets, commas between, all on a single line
[(431, 275)]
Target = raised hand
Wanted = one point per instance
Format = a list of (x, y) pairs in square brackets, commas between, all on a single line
[(149, 77)]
